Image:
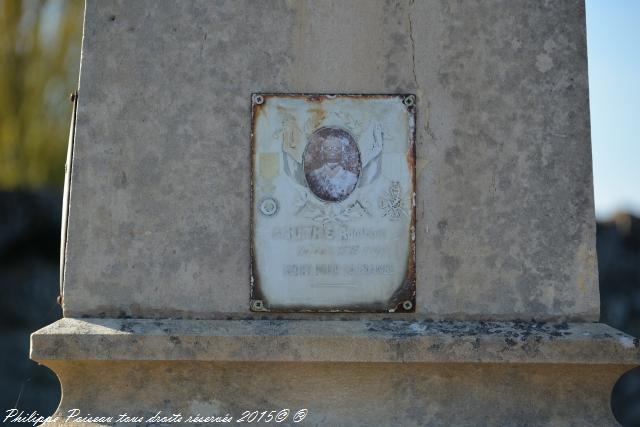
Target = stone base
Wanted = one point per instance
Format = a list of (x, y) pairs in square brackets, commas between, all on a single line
[(345, 373)]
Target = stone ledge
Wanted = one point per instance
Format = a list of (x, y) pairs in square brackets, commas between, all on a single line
[(334, 341)]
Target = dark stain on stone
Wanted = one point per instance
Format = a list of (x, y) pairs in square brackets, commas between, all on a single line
[(126, 327), (451, 155), (510, 341), (283, 346), (435, 347), (561, 326), (515, 332), (390, 80), (175, 340), (399, 40), (122, 315), (451, 264), (121, 181)]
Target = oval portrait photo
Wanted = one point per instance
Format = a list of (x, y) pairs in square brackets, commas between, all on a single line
[(332, 164)]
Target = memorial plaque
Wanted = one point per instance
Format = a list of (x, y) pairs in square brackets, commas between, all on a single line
[(333, 203)]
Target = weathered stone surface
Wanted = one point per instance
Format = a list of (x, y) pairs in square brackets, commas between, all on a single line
[(334, 341), (159, 204), (341, 394), (344, 372)]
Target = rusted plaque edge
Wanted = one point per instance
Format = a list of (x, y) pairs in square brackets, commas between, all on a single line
[(403, 300)]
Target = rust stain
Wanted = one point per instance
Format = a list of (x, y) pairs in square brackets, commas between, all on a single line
[(410, 278), (256, 111), (317, 116)]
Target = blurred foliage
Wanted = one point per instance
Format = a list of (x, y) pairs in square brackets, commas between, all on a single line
[(39, 61)]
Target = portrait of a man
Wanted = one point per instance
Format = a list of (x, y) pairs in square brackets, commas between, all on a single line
[(332, 164)]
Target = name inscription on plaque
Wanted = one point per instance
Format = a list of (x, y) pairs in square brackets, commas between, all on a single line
[(333, 203)]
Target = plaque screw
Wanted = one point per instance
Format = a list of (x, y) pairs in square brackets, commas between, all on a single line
[(409, 101), (257, 305), (407, 305), (258, 99)]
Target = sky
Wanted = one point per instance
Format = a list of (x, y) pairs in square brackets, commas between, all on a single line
[(613, 42)]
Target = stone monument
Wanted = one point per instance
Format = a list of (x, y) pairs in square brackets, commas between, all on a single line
[(357, 212)]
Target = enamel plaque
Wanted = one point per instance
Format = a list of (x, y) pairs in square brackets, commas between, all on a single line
[(333, 203)]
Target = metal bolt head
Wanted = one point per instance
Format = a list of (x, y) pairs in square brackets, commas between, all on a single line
[(409, 101), (407, 305), (257, 305), (258, 99)]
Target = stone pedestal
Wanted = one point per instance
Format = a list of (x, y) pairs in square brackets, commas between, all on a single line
[(156, 269), (363, 373)]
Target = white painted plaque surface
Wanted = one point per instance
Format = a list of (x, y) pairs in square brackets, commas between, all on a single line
[(333, 203)]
